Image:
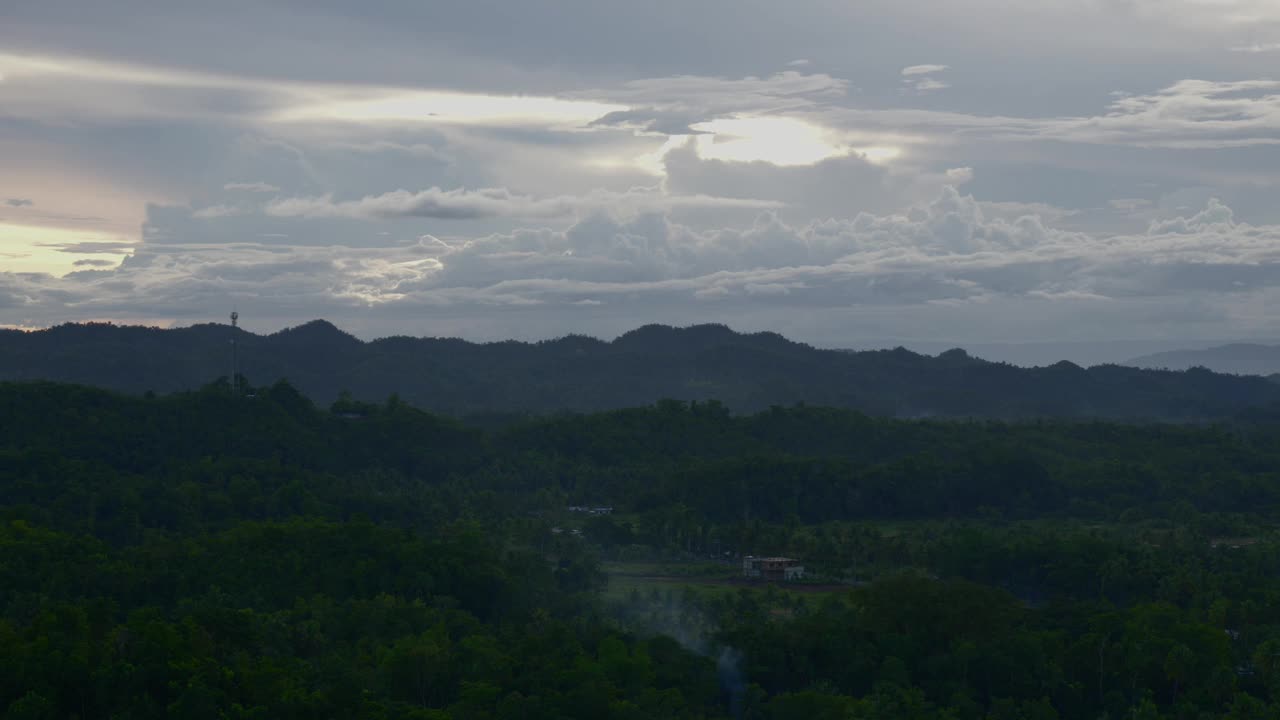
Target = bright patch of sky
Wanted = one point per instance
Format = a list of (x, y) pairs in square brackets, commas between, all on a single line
[(58, 251)]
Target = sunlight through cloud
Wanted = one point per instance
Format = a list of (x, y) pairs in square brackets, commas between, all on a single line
[(446, 107), (776, 140), (58, 251)]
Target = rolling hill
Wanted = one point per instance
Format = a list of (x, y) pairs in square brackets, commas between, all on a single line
[(745, 372)]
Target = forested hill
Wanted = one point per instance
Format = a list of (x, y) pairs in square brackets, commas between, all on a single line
[(390, 460), (211, 555), (746, 372)]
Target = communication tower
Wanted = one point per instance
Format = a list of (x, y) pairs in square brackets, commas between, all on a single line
[(235, 360)]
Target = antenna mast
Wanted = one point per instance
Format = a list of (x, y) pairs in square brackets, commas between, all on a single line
[(235, 369)]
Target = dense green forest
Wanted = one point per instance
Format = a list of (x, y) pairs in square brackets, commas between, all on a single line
[(228, 553), (746, 372)]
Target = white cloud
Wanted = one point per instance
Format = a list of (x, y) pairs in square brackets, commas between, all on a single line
[(438, 107), (919, 77), (669, 103), (1188, 115), (914, 70), (838, 186), (946, 256), (946, 250), (746, 120), (461, 204), (1215, 216), (774, 140)]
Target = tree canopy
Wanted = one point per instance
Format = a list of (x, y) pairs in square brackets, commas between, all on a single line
[(243, 553)]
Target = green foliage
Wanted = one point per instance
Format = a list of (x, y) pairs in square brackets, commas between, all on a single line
[(252, 556)]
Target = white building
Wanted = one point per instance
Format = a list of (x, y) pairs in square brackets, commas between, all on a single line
[(772, 569)]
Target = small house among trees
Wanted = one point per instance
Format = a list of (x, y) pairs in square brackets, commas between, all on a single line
[(772, 569)]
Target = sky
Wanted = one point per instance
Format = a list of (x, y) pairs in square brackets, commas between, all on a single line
[(917, 171)]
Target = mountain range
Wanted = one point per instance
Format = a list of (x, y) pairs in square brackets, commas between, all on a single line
[(745, 372), (1236, 358)]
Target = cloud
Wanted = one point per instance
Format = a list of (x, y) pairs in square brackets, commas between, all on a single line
[(1215, 216), (914, 70), (918, 77), (216, 211), (19, 203), (255, 187), (664, 122), (53, 87), (930, 84), (394, 106), (946, 250), (721, 95), (1188, 115), (1067, 295), (461, 204), (93, 248), (836, 187), (940, 262), (672, 105)]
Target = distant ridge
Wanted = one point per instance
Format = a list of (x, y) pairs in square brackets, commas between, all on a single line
[(1236, 358), (745, 372)]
